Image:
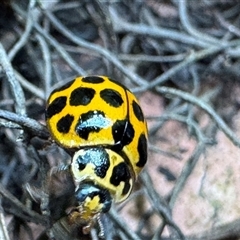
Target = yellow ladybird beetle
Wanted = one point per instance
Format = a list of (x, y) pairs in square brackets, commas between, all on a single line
[(101, 122)]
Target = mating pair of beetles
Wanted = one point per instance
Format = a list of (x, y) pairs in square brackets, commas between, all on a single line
[(101, 123)]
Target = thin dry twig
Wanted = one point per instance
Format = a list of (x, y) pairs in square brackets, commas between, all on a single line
[(190, 29), (3, 228), (53, 43), (108, 55), (122, 26), (47, 65), (14, 84), (22, 211), (191, 58), (160, 205), (123, 226), (196, 101), (25, 36), (30, 124)]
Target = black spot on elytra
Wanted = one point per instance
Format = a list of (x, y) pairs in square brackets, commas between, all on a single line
[(123, 134), (137, 111), (96, 156), (93, 79), (142, 150), (120, 174), (81, 96), (56, 106), (64, 124), (111, 97), (92, 121), (126, 188)]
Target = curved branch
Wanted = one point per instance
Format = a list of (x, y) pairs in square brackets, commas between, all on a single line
[(30, 124), (198, 102)]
